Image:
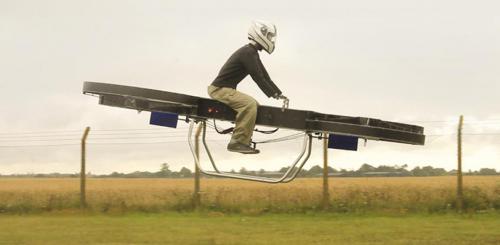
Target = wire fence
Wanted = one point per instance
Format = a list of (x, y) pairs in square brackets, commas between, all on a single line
[(150, 136)]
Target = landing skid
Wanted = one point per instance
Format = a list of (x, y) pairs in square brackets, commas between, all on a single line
[(288, 176)]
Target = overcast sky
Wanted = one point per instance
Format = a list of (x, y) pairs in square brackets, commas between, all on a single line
[(419, 62)]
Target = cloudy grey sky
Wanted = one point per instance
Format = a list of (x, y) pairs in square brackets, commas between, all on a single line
[(421, 62)]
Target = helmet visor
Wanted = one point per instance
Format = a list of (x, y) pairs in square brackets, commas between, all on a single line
[(271, 36)]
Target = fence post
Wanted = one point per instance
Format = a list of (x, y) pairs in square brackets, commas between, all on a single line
[(460, 198), (196, 194), (83, 202), (326, 194)]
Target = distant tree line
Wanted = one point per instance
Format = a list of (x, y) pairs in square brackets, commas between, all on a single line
[(366, 170)]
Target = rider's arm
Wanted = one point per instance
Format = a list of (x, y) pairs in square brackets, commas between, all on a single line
[(259, 74)]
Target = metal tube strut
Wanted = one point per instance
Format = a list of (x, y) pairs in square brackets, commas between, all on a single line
[(288, 176)]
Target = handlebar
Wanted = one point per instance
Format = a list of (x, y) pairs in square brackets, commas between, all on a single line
[(286, 102)]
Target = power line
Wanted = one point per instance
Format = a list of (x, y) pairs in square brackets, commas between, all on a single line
[(30, 140), (486, 121), (98, 134), (27, 146), (182, 136), (41, 132), (440, 121), (92, 138), (118, 130), (439, 135), (74, 131), (177, 141), (134, 143), (129, 129), (38, 136), (143, 133), (482, 134), (482, 123), (53, 135), (151, 137), (77, 139)]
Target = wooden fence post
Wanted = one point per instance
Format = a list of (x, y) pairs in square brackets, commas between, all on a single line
[(326, 194), (460, 198), (83, 201)]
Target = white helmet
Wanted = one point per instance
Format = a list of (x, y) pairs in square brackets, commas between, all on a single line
[(264, 33)]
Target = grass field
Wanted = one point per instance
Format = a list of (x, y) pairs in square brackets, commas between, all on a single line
[(348, 195), (217, 228)]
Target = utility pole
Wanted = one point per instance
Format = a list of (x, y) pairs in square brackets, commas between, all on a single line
[(326, 194), (460, 199), (83, 202), (196, 194)]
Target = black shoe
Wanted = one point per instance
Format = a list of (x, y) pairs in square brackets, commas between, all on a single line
[(241, 148)]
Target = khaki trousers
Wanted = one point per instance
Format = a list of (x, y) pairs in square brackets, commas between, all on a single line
[(246, 111)]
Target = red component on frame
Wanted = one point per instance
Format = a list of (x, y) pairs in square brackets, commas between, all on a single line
[(211, 109)]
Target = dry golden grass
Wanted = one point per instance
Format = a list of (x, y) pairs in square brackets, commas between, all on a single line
[(407, 194)]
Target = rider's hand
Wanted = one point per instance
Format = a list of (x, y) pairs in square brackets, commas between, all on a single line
[(286, 101)]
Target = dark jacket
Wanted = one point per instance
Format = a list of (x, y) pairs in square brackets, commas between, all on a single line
[(241, 63)]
